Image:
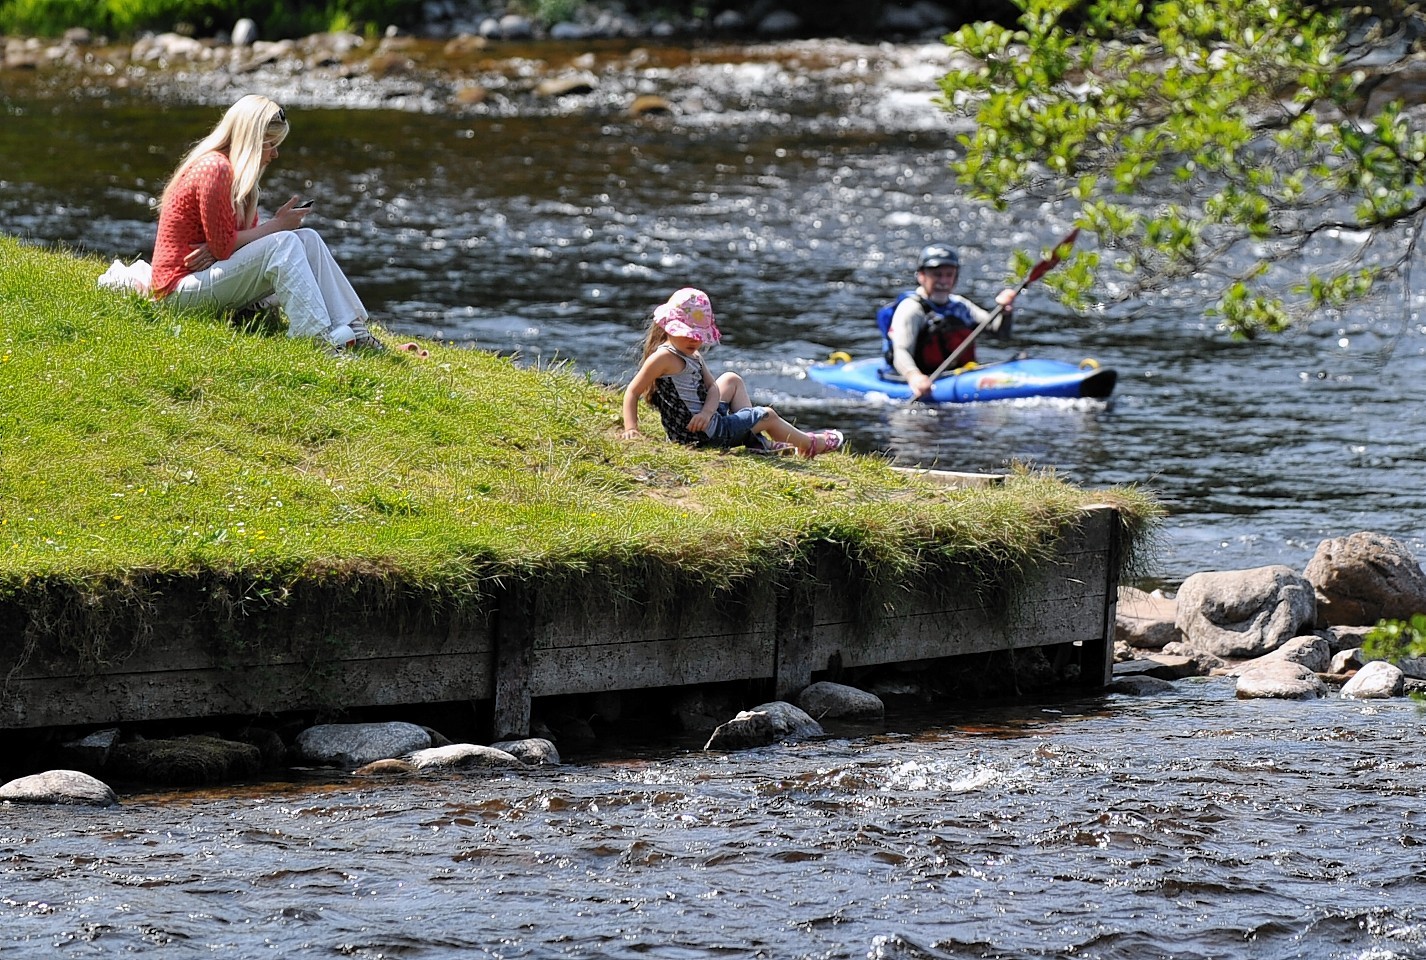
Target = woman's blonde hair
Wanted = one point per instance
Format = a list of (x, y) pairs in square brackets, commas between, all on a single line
[(249, 124)]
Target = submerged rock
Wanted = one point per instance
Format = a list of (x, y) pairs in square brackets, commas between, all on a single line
[(1138, 685), (184, 761), (386, 768), (536, 751), (763, 725)]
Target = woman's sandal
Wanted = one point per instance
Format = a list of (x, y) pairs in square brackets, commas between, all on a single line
[(824, 441), (416, 348)]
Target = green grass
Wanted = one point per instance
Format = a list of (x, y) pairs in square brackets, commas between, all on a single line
[(138, 443)]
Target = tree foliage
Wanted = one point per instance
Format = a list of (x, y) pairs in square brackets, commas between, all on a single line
[(1395, 639), (275, 18), (1203, 141)]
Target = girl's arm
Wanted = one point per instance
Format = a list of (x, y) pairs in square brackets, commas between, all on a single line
[(700, 420), (657, 365)]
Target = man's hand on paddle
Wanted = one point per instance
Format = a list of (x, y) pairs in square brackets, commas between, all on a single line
[(920, 385)]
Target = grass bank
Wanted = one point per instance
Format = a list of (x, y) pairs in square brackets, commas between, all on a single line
[(138, 444)]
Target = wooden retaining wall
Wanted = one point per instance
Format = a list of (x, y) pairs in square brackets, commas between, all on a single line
[(321, 651)]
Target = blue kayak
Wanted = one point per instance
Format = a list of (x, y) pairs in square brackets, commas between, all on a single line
[(1003, 380)]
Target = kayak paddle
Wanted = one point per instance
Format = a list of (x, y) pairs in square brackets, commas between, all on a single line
[(1038, 271)]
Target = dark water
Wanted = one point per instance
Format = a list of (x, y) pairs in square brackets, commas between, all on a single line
[(795, 189)]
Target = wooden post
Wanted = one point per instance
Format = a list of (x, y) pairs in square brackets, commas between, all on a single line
[(792, 667), (514, 643), (1097, 663)]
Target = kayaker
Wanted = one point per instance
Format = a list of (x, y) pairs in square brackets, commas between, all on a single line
[(695, 408), (931, 321), (214, 252)]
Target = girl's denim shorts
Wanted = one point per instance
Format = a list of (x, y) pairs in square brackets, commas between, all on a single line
[(734, 429)]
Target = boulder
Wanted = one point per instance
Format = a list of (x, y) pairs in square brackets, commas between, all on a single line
[(1413, 667), (826, 700), (1346, 637), (1245, 613), (513, 26), (59, 786), (1377, 680), (1310, 651), (1346, 661), (763, 725), (649, 104), (565, 86), (357, 744), (1205, 664), (1365, 577), (779, 23), (1145, 621), (1282, 680)]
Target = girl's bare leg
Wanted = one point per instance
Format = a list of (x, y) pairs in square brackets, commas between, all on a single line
[(733, 392), (779, 429)]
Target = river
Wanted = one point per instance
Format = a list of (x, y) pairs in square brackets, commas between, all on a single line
[(1188, 826), (796, 188)]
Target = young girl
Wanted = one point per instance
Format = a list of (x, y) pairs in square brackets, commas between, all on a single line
[(212, 252), (695, 408)]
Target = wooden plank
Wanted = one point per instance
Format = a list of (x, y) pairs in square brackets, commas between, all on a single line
[(626, 646), (352, 651), (953, 478), (286, 660), (1062, 602)]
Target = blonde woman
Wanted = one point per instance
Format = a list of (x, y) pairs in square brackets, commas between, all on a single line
[(213, 252)]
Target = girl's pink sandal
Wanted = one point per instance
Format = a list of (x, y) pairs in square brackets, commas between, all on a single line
[(416, 348), (824, 441)]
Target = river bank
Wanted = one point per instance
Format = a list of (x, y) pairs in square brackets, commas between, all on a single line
[(563, 21), (714, 82)]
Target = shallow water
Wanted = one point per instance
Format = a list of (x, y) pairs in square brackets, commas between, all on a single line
[(1187, 826)]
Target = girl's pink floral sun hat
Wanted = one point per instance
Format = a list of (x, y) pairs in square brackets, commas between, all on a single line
[(688, 313)]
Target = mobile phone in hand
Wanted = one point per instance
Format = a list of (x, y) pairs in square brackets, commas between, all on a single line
[(305, 204)]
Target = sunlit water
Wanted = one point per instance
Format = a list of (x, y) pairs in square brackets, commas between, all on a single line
[(1188, 826)]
